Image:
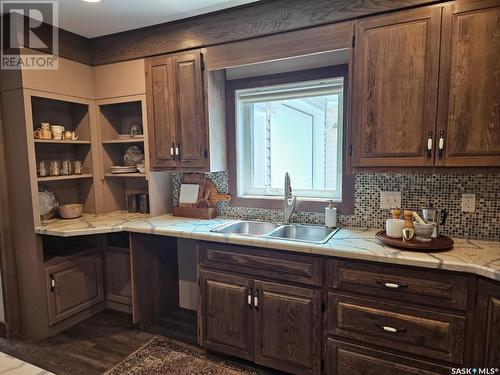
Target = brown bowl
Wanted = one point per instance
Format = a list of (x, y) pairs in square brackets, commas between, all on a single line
[(70, 211)]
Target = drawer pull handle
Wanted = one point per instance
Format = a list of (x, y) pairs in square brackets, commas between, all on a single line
[(389, 285), (390, 329), (52, 283), (249, 297)]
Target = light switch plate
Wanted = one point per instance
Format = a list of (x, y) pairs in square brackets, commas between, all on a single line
[(390, 199), (468, 203)]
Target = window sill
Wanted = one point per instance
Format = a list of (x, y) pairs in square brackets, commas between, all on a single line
[(303, 204)]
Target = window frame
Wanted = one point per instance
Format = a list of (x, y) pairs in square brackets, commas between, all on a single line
[(346, 206)]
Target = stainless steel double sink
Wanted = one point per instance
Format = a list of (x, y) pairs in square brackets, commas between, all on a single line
[(294, 232)]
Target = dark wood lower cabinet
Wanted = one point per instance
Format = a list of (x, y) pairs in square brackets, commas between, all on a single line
[(488, 324), (226, 324), (365, 318), (348, 359), (74, 285), (288, 328), (272, 324)]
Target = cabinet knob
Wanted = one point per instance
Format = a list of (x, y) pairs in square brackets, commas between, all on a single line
[(441, 144), (52, 283), (177, 150), (256, 299), (429, 144), (249, 297)]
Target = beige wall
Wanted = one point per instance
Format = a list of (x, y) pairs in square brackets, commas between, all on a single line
[(188, 286)]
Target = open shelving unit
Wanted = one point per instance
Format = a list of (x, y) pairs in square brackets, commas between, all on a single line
[(116, 116), (75, 115)]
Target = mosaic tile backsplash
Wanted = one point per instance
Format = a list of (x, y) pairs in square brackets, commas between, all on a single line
[(418, 190)]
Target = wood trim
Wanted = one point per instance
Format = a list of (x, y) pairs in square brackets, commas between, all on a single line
[(280, 46), (71, 46), (347, 205), (239, 23), (7, 251)]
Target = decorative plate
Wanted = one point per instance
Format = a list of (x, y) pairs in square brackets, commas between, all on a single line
[(46, 201), (134, 129), (122, 169), (133, 156)]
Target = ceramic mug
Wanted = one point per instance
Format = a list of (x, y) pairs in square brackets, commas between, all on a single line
[(66, 167), (77, 166), (42, 168), (55, 167), (57, 131), (394, 228)]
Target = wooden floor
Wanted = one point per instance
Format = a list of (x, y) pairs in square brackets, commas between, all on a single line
[(100, 342), (92, 346)]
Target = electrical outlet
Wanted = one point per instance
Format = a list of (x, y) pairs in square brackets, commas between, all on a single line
[(468, 202), (390, 199)]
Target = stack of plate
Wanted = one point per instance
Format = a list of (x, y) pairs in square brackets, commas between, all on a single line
[(123, 169)]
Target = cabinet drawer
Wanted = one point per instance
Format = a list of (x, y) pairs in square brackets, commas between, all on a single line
[(420, 286), (256, 262), (348, 359), (406, 329)]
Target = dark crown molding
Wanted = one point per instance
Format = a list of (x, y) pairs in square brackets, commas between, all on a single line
[(244, 22)]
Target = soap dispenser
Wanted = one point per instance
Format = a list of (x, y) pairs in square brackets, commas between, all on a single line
[(330, 216)]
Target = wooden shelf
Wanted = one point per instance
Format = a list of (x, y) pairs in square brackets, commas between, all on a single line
[(131, 140), (62, 141), (62, 178), (133, 174)]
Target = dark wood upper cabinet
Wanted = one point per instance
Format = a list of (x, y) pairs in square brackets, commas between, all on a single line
[(227, 318), (395, 88), (192, 139), (288, 328), (185, 102), (160, 91), (469, 98)]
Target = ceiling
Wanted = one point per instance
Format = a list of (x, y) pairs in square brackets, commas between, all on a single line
[(113, 16)]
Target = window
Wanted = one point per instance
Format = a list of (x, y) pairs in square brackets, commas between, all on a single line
[(292, 127)]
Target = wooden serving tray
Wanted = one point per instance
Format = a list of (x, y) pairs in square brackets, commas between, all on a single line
[(436, 244), (195, 212)]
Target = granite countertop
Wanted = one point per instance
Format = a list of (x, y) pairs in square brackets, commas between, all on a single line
[(473, 256)]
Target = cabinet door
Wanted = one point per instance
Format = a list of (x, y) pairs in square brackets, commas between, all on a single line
[(488, 320), (396, 87), (74, 286), (118, 284), (191, 123), (287, 328), (226, 324), (469, 105), (160, 94)]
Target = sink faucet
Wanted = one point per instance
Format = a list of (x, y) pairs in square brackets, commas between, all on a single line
[(289, 201)]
